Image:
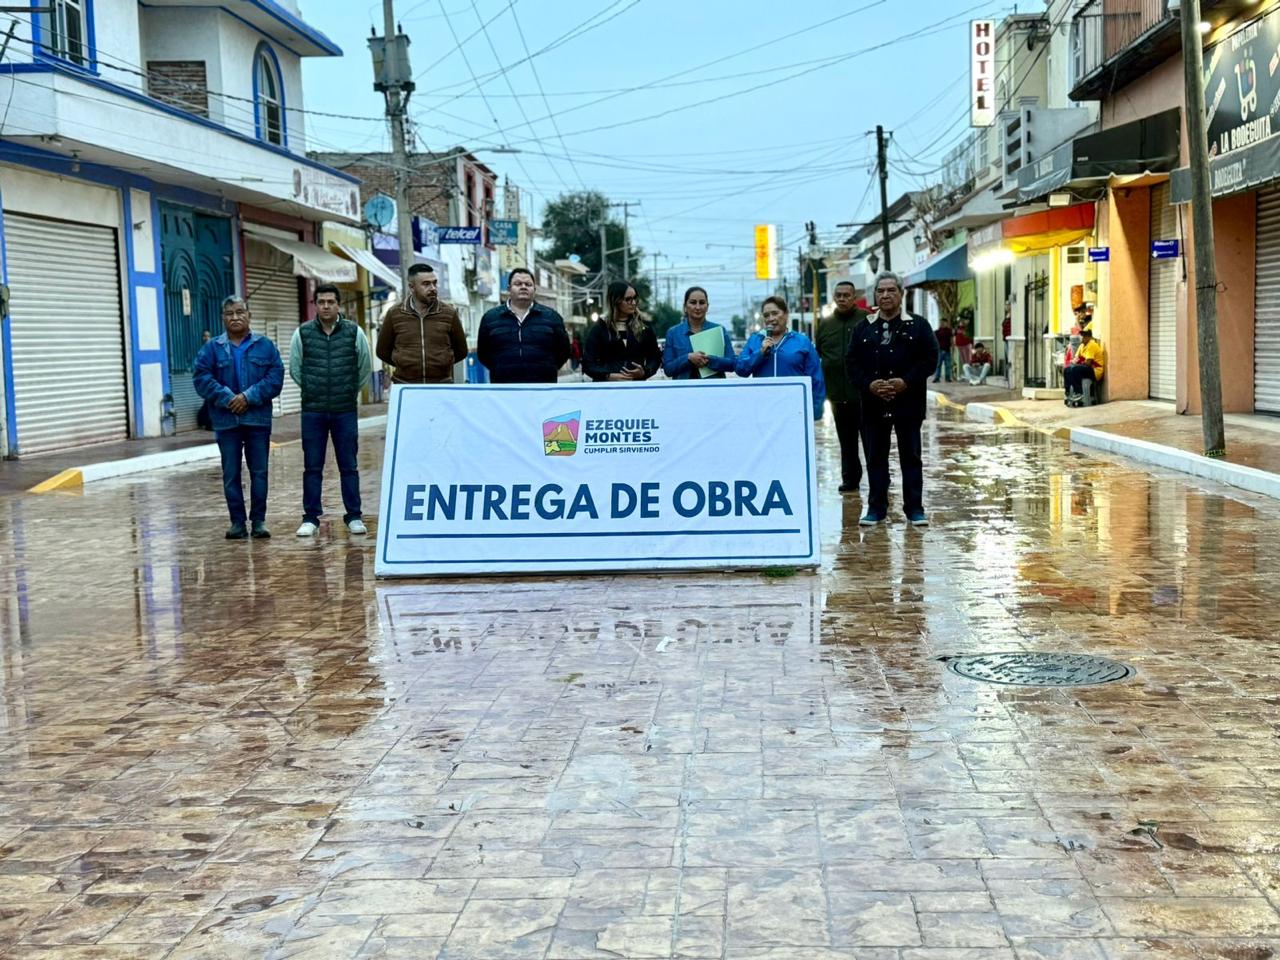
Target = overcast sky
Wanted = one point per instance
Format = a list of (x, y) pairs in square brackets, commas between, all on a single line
[(714, 114)]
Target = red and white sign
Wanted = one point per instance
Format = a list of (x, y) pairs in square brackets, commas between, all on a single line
[(982, 73)]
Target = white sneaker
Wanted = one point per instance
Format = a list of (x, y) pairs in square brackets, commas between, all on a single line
[(308, 529), (357, 527)]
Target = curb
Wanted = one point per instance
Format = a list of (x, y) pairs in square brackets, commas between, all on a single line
[(76, 477), (1143, 451), (1171, 458)]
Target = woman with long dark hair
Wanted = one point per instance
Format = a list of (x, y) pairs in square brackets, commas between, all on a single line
[(680, 361), (621, 346)]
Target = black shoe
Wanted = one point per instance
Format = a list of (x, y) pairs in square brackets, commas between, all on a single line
[(260, 531), (237, 532), (849, 487)]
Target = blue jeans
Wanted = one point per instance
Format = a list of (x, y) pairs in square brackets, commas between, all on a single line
[(944, 363), (317, 428), (254, 443)]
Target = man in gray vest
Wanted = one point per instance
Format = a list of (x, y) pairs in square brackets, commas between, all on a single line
[(329, 361)]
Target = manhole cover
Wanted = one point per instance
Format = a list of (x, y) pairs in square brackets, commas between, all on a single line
[(1040, 669)]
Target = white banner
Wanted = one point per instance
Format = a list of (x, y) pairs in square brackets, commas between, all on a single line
[(501, 479)]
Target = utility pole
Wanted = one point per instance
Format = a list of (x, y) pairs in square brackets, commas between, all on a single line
[(883, 166), (626, 236), (653, 292), (1215, 439), (604, 265), (393, 76)]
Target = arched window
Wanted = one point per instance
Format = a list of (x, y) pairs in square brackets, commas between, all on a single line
[(268, 96)]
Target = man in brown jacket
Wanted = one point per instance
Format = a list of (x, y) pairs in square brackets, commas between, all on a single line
[(422, 337)]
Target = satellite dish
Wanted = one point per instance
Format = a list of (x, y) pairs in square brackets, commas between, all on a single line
[(380, 210), (574, 258)]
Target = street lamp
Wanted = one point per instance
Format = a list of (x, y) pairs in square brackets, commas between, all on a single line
[(873, 262)]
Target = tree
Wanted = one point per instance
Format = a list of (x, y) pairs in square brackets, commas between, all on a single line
[(738, 323), (663, 316), (571, 225)]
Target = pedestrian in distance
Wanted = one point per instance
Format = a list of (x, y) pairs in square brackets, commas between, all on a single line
[(964, 342), (203, 420), (779, 351), (240, 373), (522, 341), (943, 335), (420, 336), (832, 338), (979, 365), (890, 358), (575, 352), (1086, 367), (621, 346), (329, 361), (680, 361)]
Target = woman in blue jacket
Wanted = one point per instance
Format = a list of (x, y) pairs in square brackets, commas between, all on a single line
[(779, 351), (679, 360)]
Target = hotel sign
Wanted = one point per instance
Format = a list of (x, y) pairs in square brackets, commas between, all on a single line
[(982, 73)]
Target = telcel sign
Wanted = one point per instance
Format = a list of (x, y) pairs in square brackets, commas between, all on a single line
[(982, 73), (766, 251)]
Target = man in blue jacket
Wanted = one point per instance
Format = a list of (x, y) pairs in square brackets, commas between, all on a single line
[(240, 373), (891, 356)]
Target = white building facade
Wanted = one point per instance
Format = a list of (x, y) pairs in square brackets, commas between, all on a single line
[(152, 161)]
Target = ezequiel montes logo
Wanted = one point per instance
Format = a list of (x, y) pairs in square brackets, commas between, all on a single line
[(560, 434)]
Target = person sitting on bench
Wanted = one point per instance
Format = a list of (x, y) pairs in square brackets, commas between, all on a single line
[(1086, 365)]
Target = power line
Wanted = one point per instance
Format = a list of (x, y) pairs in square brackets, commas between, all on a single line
[(538, 80)]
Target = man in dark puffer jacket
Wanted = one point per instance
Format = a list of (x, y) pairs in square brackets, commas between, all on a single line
[(329, 361), (522, 341)]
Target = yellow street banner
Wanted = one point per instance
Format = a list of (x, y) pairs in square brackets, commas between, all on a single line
[(766, 251)]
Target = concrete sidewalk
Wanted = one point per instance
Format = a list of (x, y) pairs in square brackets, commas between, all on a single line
[(68, 469), (1148, 431)]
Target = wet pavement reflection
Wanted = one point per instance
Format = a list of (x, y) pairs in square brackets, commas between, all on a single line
[(229, 750)]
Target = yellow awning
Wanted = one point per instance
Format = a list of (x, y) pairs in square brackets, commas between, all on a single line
[(1040, 242)]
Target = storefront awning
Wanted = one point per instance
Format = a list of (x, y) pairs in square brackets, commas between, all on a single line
[(1055, 227), (1149, 145), (371, 264), (309, 260), (950, 265)]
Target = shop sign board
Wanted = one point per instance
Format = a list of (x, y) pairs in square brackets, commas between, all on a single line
[(982, 73)]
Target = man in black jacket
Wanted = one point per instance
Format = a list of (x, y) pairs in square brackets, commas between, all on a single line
[(522, 341), (891, 357)]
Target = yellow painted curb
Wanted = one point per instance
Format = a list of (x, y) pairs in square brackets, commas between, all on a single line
[(945, 401), (1008, 418), (67, 478)]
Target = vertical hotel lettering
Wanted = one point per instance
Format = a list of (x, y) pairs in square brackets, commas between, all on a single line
[(982, 63)]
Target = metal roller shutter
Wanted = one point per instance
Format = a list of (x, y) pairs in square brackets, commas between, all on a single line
[(69, 380), (274, 303), (186, 402), (1162, 306), (1266, 329)]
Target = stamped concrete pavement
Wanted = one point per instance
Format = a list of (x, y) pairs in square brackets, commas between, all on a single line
[(254, 750)]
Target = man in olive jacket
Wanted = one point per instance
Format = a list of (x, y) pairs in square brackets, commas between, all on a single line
[(892, 354), (420, 336), (832, 338), (329, 361)]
